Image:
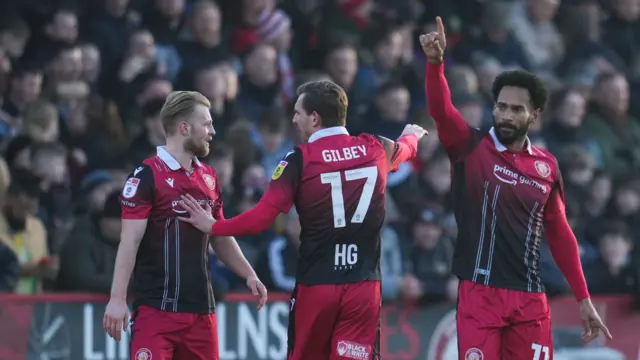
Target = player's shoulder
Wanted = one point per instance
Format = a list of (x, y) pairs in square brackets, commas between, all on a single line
[(140, 180), (143, 171), (291, 160)]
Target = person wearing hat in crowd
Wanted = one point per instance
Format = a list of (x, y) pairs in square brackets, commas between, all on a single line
[(88, 256), (94, 190), (429, 263)]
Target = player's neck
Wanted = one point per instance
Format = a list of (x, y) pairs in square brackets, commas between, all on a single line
[(184, 158), (518, 145)]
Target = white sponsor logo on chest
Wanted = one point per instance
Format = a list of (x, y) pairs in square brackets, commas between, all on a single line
[(511, 177)]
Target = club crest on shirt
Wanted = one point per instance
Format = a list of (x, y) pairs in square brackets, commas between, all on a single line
[(278, 170), (542, 168), (209, 181), (130, 188), (143, 354), (474, 354)]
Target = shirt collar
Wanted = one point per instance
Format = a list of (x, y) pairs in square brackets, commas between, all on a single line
[(171, 162), (500, 147), (331, 131)]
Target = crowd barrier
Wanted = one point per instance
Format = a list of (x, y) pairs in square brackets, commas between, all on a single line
[(69, 327)]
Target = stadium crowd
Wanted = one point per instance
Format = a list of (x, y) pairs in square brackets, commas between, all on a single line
[(82, 84)]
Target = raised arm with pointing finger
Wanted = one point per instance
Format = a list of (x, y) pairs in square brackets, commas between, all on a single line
[(453, 131)]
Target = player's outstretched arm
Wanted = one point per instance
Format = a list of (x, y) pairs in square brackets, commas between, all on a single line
[(566, 253), (278, 198), (405, 148), (453, 131), (251, 222)]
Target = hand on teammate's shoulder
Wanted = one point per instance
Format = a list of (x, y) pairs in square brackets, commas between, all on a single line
[(414, 129)]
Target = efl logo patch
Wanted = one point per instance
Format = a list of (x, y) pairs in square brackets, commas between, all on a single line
[(130, 188), (143, 354), (353, 350), (542, 168), (279, 169), (474, 354), (209, 181)]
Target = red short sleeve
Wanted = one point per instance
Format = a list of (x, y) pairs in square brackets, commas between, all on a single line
[(136, 199)]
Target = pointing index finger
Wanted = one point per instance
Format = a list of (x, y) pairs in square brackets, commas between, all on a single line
[(440, 26)]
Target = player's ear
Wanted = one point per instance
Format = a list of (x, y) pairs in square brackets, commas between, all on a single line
[(535, 116), (316, 119), (183, 128)]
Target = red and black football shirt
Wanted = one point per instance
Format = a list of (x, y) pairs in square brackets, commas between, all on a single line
[(337, 183), (172, 264)]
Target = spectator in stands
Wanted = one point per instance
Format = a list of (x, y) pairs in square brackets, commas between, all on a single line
[(206, 46), (219, 83), (533, 27), (95, 188), (621, 30), (609, 123), (60, 30), (430, 259), (626, 204), (14, 33), (9, 269), (595, 204), (566, 113), (274, 28), (220, 158), (25, 234), (107, 25), (384, 58), (472, 109), (49, 162), (495, 37), (390, 112), (41, 121), (165, 19), (279, 263), (151, 136), (341, 65), (615, 272), (259, 82), (577, 167), (25, 87), (271, 137), (88, 256), (18, 152), (91, 63), (134, 70), (487, 67), (391, 258)]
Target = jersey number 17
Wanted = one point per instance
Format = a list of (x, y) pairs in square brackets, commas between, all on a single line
[(369, 173)]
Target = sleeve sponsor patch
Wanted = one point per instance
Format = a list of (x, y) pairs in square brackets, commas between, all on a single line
[(278, 170), (130, 188)]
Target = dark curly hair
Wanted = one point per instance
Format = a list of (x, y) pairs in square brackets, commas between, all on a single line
[(524, 80)]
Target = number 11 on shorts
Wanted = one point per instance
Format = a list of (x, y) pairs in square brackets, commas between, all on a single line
[(539, 350)]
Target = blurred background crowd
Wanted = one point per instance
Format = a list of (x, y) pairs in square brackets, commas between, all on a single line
[(82, 84)]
